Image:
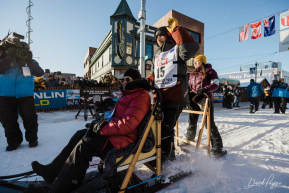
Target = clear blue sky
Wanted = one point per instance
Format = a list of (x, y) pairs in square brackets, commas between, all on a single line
[(64, 29)]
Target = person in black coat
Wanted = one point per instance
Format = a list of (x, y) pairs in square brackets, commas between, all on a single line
[(237, 91)]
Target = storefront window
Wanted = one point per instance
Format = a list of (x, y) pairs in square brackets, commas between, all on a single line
[(149, 50), (129, 46)]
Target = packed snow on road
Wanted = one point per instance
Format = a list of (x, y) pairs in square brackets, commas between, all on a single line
[(257, 159)]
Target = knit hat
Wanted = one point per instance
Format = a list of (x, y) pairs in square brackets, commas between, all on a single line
[(133, 73), (202, 58), (164, 31)]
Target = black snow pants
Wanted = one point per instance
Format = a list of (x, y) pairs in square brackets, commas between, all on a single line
[(71, 164), (280, 104), (255, 101), (216, 139), (268, 101), (9, 114), (228, 101), (171, 116)]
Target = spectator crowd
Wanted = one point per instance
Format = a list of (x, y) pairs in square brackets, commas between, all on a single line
[(107, 81)]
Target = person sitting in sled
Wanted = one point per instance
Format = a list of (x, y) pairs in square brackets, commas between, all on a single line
[(70, 166), (204, 79)]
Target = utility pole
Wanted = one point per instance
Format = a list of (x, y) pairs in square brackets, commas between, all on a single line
[(256, 71), (28, 10), (142, 18)]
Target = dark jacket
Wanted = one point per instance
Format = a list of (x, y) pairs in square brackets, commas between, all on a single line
[(128, 114), (187, 47), (227, 91), (12, 81), (238, 91), (197, 82), (52, 83), (254, 90)]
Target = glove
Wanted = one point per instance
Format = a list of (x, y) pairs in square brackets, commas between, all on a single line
[(172, 23), (97, 128), (201, 91), (197, 98), (11, 51)]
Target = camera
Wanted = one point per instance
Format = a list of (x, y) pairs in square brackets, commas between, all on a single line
[(19, 50)]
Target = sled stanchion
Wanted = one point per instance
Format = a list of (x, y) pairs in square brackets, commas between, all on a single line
[(135, 158), (159, 139), (206, 117), (209, 130), (177, 131), (202, 126)]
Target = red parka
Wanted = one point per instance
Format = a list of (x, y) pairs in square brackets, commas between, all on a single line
[(129, 112)]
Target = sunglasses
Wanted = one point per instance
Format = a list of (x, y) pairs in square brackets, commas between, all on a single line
[(125, 79)]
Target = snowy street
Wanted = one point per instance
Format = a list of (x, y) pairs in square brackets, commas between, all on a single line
[(257, 144)]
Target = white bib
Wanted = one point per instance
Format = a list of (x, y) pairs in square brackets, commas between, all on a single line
[(165, 68)]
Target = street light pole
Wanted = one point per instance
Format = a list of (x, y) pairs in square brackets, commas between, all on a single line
[(142, 18), (256, 72)]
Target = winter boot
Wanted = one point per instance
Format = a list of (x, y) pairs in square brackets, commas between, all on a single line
[(218, 152), (191, 134), (233, 105), (33, 143), (251, 109), (12, 147), (45, 171), (263, 106)]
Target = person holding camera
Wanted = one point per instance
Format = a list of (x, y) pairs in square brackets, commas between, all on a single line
[(17, 69), (279, 92), (68, 169), (227, 91)]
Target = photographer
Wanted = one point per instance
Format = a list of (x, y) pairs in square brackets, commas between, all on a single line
[(51, 82), (17, 70), (227, 91)]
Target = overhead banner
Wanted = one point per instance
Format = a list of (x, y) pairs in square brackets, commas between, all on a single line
[(247, 76), (284, 41), (50, 99), (284, 20)]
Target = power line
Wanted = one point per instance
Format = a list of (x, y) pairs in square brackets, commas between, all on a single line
[(249, 22), (247, 62), (240, 57), (241, 11)]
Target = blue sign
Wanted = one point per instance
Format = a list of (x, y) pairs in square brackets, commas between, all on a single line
[(50, 99), (218, 96)]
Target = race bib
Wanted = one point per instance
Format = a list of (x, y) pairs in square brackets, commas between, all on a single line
[(26, 71), (165, 68)]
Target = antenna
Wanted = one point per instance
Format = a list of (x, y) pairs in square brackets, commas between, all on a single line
[(28, 10)]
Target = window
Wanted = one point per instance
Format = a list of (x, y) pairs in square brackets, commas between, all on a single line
[(149, 51), (195, 35), (129, 46), (102, 60), (115, 47)]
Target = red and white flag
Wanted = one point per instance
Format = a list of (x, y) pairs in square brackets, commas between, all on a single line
[(256, 30), (243, 33), (284, 20)]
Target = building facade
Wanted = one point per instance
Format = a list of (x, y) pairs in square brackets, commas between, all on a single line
[(87, 61), (124, 31)]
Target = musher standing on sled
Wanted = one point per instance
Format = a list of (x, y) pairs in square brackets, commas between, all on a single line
[(176, 46), (204, 79)]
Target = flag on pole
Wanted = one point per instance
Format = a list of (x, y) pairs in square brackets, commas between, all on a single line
[(284, 40), (256, 30), (269, 26), (284, 20), (243, 33)]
